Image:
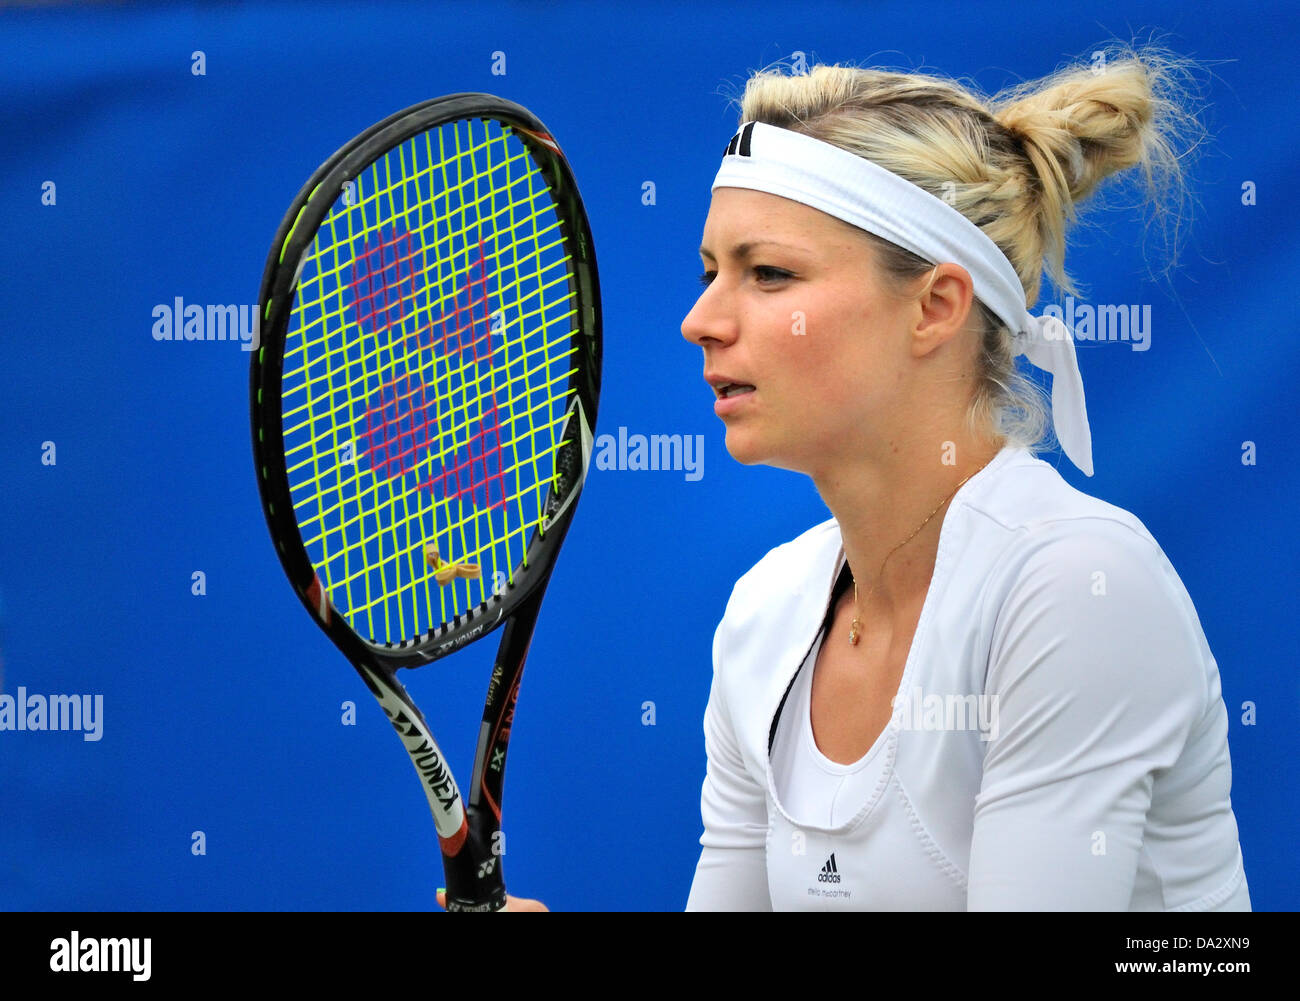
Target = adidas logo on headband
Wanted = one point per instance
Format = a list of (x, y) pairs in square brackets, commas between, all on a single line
[(741, 138)]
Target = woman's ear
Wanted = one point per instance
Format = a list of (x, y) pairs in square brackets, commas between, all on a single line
[(944, 306)]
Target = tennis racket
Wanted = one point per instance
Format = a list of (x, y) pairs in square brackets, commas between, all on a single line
[(423, 399)]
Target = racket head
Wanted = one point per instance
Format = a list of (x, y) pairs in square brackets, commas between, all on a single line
[(427, 374)]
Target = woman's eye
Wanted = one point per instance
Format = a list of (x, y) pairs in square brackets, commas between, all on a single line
[(762, 272)]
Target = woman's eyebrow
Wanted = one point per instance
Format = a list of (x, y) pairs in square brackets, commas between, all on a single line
[(742, 249)]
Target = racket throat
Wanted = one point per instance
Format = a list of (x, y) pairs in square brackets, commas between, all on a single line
[(445, 801), (468, 836), (480, 761)]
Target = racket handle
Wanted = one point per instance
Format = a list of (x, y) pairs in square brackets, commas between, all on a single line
[(475, 881)]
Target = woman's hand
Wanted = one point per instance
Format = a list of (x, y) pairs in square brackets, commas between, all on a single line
[(515, 904)]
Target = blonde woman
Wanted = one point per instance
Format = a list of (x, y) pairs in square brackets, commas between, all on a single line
[(975, 687)]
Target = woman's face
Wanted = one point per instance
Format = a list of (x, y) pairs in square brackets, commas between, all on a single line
[(795, 317)]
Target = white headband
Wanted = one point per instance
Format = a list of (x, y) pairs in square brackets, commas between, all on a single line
[(864, 194)]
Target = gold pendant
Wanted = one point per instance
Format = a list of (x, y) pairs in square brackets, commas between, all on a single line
[(854, 627)]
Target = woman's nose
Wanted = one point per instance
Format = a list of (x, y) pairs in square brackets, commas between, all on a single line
[(709, 319)]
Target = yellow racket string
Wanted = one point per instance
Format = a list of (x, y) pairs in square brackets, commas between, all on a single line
[(324, 516), (426, 378)]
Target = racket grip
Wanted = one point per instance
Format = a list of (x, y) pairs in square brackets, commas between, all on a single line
[(475, 881)]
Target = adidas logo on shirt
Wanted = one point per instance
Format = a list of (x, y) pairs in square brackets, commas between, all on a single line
[(829, 878)]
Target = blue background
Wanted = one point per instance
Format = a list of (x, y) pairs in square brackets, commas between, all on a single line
[(222, 712)]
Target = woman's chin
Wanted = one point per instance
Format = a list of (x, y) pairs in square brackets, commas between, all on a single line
[(740, 447), (748, 450)]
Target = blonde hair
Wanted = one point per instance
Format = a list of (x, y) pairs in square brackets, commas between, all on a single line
[(1015, 164)]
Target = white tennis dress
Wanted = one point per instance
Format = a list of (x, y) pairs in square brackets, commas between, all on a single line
[(1059, 739)]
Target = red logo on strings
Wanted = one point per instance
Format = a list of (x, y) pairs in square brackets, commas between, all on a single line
[(403, 423)]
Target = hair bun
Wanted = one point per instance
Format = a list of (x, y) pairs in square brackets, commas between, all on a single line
[(1055, 141)]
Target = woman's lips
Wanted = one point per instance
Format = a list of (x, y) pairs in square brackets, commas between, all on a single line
[(732, 397)]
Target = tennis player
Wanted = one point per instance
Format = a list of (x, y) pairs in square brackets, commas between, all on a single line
[(975, 687)]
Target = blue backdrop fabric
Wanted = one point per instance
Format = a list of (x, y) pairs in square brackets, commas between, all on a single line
[(223, 721)]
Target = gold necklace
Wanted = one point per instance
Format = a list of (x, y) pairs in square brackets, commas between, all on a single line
[(855, 627)]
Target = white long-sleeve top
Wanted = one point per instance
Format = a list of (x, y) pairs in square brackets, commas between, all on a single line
[(1059, 739)]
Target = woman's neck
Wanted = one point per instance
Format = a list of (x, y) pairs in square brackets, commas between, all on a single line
[(881, 500)]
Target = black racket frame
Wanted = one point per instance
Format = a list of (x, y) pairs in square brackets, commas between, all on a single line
[(475, 881)]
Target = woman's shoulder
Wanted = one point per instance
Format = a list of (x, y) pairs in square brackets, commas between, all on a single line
[(1058, 558), (1022, 505), (1029, 497), (1027, 515), (784, 591), (790, 561), (1019, 518)]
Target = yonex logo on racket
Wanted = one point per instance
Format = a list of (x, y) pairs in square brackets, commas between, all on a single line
[(443, 374), (470, 633)]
